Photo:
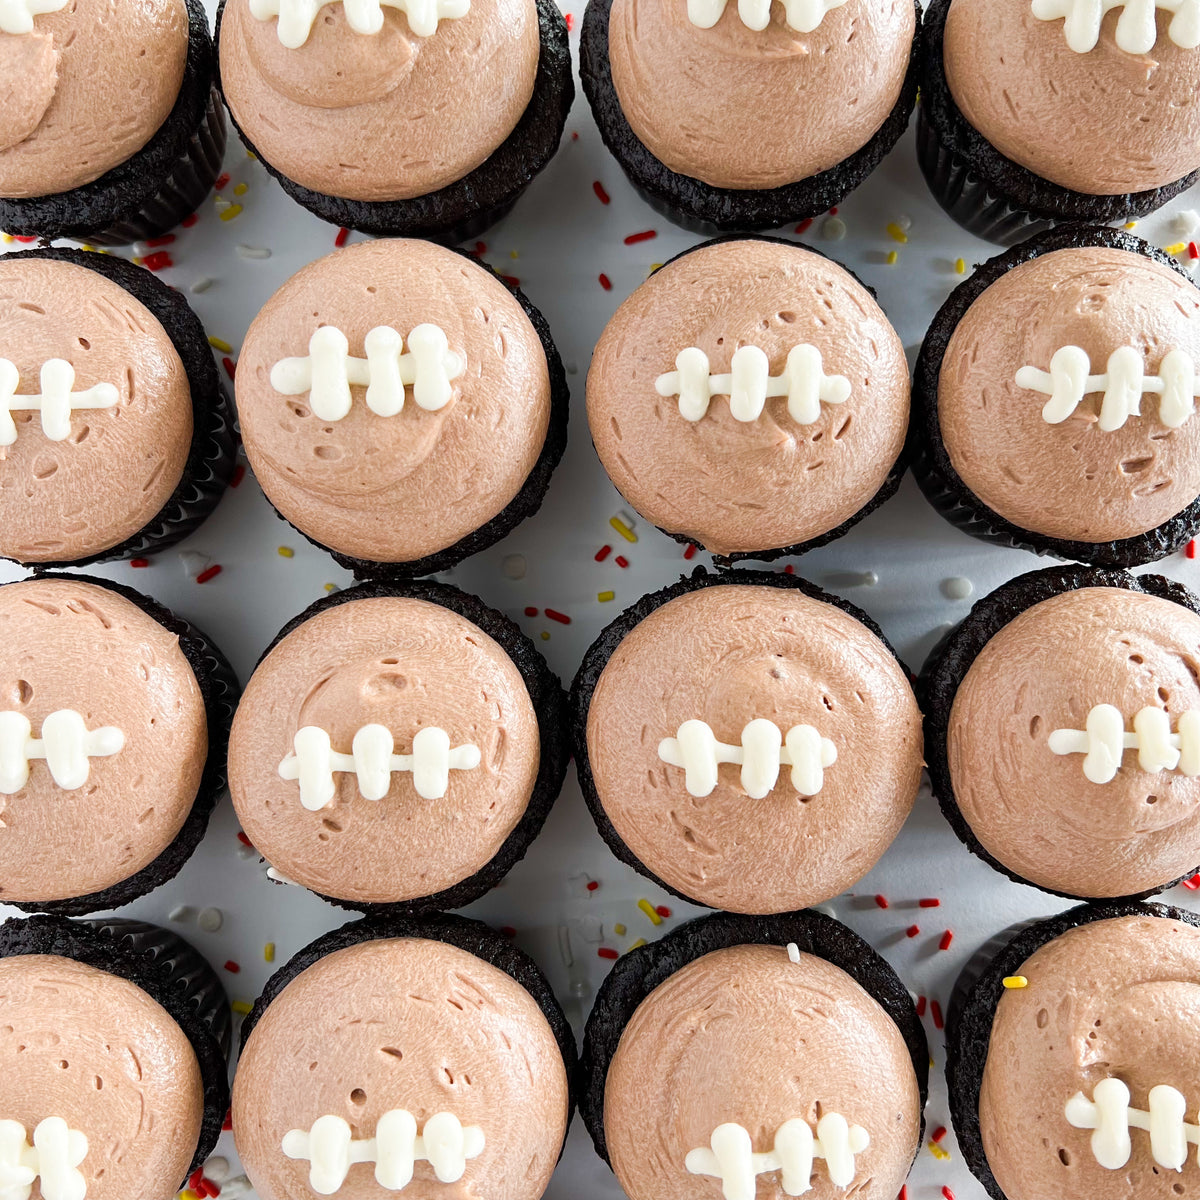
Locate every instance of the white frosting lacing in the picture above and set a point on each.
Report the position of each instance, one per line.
(1104, 742)
(296, 17)
(802, 15)
(445, 1143)
(730, 1157)
(56, 400)
(52, 1160)
(373, 759)
(750, 383)
(763, 750)
(1137, 28)
(1109, 1114)
(1069, 380)
(66, 744)
(328, 370)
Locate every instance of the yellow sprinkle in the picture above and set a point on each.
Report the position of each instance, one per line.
(545, 635)
(893, 258)
(231, 212)
(7, 238)
(648, 909)
(220, 344)
(622, 529)
(1016, 981)
(188, 1194)
(331, 587)
(513, 255)
(269, 952)
(137, 262)
(619, 929)
(87, 246)
(636, 945)
(286, 552)
(1176, 248)
(1130, 224)
(240, 189)
(960, 265)
(251, 156)
(241, 1008)
(605, 597)
(655, 267)
(938, 1153)
(897, 234)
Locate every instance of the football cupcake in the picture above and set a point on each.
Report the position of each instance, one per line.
(749, 115)
(401, 406)
(1063, 726)
(1054, 401)
(397, 745)
(445, 1060)
(752, 398)
(740, 1054)
(746, 741)
(113, 718)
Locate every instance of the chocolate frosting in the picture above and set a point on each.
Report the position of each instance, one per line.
(97, 1051)
(1071, 480)
(1104, 122)
(1119, 998)
(735, 486)
(751, 110)
(1035, 811)
(119, 466)
(727, 655)
(403, 1023)
(404, 664)
(745, 1035)
(394, 489)
(384, 116)
(86, 90)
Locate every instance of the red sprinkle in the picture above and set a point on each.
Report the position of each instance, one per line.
(157, 260)
(343, 235)
(605, 282)
(195, 1179)
(1191, 548)
(530, 611)
(601, 194)
(241, 836)
(607, 952)
(209, 573)
(511, 280)
(481, 247)
(574, 135)
(139, 562)
(570, 19)
(921, 1006)
(222, 180)
(239, 473)
(232, 967)
(26, 238)
(1192, 251)
(881, 901)
(947, 938)
(227, 1124)
(593, 884)
(690, 553)
(662, 910)
(833, 211)
(929, 902)
(912, 931)
(230, 366)
(210, 1189)
(189, 220)
(555, 615)
(162, 240)
(935, 1011)
(939, 1133)
(903, 1193)
(947, 1194)
(1192, 884)
(804, 225)
(603, 553)
(621, 561)
(646, 235)
(508, 931)
(790, 569)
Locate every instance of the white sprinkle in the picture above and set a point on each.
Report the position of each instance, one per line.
(513, 566)
(194, 562)
(181, 913)
(202, 284)
(628, 517)
(904, 221)
(217, 1169)
(793, 952)
(279, 877)
(833, 228)
(851, 579)
(957, 588)
(244, 251)
(210, 919)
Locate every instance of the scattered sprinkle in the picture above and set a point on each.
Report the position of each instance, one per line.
(646, 235)
(230, 367)
(650, 911)
(947, 938)
(605, 597)
(189, 220)
(663, 911)
(217, 1168)
(481, 248)
(244, 251)
(285, 552)
(960, 266)
(555, 615)
(240, 189)
(793, 952)
(232, 967)
(181, 912)
(1192, 884)
(601, 194)
(508, 931)
(939, 1133)
(209, 573)
(232, 211)
(342, 235)
(636, 945)
(545, 635)
(935, 1011)
(227, 1123)
(605, 282)
(620, 929)
(7, 238)
(243, 1010)
(511, 280)
(201, 285)
(621, 561)
(157, 261)
(903, 1192)
(921, 1003)
(222, 181)
(607, 952)
(1191, 549)
(1015, 982)
(330, 588)
(193, 562)
(1130, 224)
(929, 902)
(622, 529)
(912, 931)
(833, 228)
(210, 919)
(947, 1194)
(569, 18)
(896, 233)
(1176, 248)
(593, 884)
(139, 562)
(513, 566)
(603, 553)
(269, 952)
(220, 344)
(689, 552)
(804, 225)
(938, 1152)
(892, 259)
(957, 587)
(164, 239)
(881, 901)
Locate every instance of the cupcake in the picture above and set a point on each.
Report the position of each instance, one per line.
(746, 741)
(111, 127)
(1072, 1056)
(749, 115)
(401, 406)
(445, 1060)
(752, 398)
(1036, 112)
(1053, 403)
(413, 118)
(750, 1056)
(113, 1043)
(114, 714)
(116, 437)
(398, 745)
(1063, 726)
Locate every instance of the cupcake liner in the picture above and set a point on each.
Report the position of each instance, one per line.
(947, 667)
(219, 689)
(637, 973)
(697, 206)
(212, 456)
(549, 703)
(935, 474)
(465, 208)
(164, 966)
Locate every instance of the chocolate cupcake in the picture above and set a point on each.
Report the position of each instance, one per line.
(750, 115)
(413, 118)
(110, 130)
(401, 406)
(1050, 111)
(113, 1042)
(1054, 401)
(116, 436)
(1072, 1056)
(752, 398)
(1063, 727)
(445, 1060)
(114, 714)
(398, 745)
(765, 673)
(727, 1057)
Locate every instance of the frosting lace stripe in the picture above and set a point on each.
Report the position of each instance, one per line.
(1111, 1118)
(56, 400)
(52, 1160)
(296, 17)
(1104, 742)
(804, 16)
(1137, 28)
(66, 745)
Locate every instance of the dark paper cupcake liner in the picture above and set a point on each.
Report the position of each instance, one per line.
(947, 667)
(468, 206)
(219, 689)
(700, 207)
(164, 966)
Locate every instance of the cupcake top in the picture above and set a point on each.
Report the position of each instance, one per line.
(755, 95)
(87, 83)
(823, 402)
(1101, 99)
(1060, 743)
(447, 432)
(747, 1050)
(1065, 399)
(447, 735)
(1107, 1023)
(103, 1081)
(103, 739)
(812, 701)
(382, 99)
(421, 1032)
(95, 410)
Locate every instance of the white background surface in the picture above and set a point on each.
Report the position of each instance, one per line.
(557, 242)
